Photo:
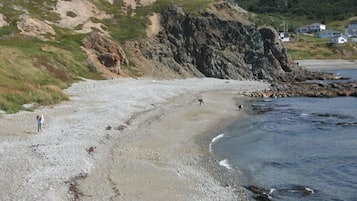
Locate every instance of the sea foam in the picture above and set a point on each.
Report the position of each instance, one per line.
(215, 139)
(225, 163)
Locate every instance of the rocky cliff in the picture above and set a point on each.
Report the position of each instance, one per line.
(217, 43)
(210, 44)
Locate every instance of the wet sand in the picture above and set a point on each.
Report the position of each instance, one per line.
(122, 139)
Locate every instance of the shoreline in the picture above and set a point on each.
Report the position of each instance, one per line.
(120, 139)
(221, 168)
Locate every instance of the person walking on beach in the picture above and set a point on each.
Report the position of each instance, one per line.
(40, 120)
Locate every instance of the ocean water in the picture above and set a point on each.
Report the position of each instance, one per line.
(298, 143)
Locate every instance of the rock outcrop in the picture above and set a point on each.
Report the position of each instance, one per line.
(3, 21)
(208, 44)
(262, 194)
(108, 52)
(314, 89)
(34, 27)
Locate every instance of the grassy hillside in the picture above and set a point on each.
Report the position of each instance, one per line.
(33, 71)
(310, 47)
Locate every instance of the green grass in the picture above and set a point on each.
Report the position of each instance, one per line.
(310, 47)
(23, 82)
(7, 30)
(124, 28)
(187, 5)
(71, 14)
(35, 71)
(41, 9)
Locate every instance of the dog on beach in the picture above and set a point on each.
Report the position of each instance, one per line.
(201, 101)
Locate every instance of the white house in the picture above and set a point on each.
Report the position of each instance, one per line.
(327, 34)
(317, 27)
(284, 37)
(339, 39)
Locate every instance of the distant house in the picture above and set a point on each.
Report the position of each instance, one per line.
(339, 39)
(352, 29)
(284, 37)
(303, 29)
(354, 40)
(327, 34)
(315, 27)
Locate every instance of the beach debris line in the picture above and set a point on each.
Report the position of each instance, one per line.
(121, 127)
(74, 186)
(114, 188)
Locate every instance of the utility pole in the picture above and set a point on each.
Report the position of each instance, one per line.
(284, 26)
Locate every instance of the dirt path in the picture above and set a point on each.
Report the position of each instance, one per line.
(327, 64)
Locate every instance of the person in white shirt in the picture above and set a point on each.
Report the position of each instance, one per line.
(40, 121)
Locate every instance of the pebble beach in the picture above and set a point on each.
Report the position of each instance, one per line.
(121, 139)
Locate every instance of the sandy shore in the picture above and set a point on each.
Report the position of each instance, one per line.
(327, 64)
(120, 139)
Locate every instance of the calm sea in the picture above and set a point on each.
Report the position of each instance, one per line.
(299, 142)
